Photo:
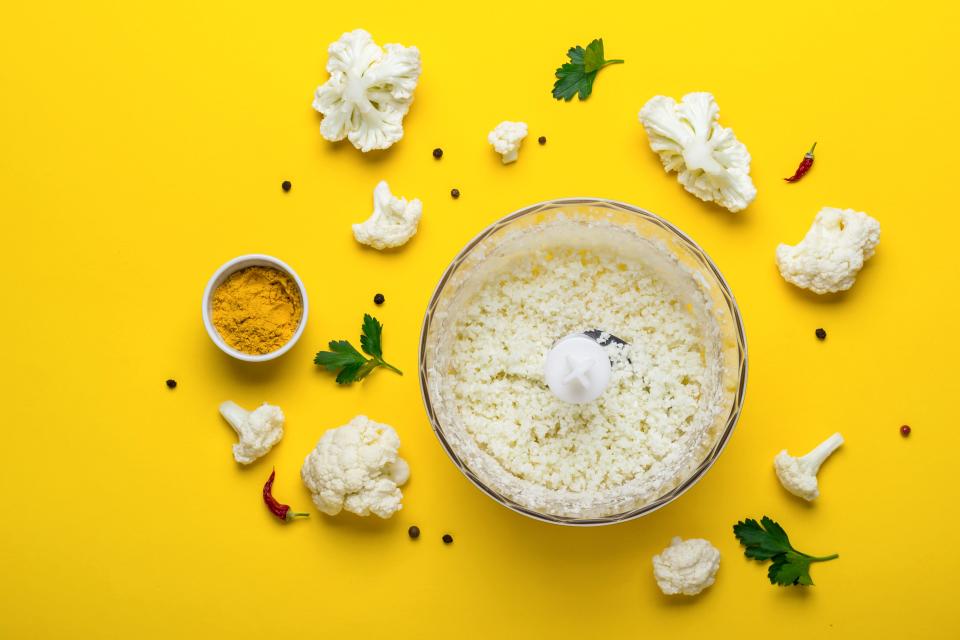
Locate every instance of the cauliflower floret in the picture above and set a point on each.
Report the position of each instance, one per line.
(829, 257)
(356, 467)
(369, 91)
(686, 566)
(393, 221)
(259, 429)
(799, 475)
(506, 139)
(711, 163)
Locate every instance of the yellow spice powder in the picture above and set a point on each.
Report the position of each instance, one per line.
(257, 310)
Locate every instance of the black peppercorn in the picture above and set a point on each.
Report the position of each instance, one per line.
(378, 299)
(447, 538)
(414, 532)
(454, 193)
(285, 185)
(438, 153)
(542, 139)
(821, 334)
(171, 384)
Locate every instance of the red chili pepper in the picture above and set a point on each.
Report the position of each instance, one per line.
(282, 511)
(805, 165)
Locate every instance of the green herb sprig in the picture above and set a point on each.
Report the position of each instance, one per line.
(577, 76)
(766, 540)
(350, 364)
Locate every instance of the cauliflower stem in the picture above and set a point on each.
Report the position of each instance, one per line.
(799, 475)
(815, 458)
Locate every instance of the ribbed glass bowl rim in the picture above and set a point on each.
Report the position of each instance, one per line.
(732, 417)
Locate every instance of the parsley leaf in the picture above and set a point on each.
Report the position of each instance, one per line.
(370, 339)
(766, 540)
(350, 364)
(762, 541)
(790, 569)
(577, 76)
(341, 354)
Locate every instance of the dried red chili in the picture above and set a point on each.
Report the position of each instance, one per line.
(805, 165)
(282, 511)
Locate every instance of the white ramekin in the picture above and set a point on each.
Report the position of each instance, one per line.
(242, 262)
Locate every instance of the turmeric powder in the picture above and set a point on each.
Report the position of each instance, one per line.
(257, 309)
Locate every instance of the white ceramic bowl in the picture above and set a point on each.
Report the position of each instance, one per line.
(242, 262)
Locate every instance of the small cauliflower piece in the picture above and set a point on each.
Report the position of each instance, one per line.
(258, 430)
(369, 91)
(356, 467)
(393, 221)
(686, 566)
(506, 139)
(832, 253)
(709, 160)
(799, 475)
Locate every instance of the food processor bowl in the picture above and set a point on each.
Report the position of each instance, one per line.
(641, 232)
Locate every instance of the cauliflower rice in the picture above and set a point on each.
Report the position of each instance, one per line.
(648, 430)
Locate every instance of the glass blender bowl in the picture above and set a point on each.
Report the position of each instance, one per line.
(642, 235)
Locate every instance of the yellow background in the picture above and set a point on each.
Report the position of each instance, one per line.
(141, 146)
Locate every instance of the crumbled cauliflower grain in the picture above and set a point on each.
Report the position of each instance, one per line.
(636, 441)
(686, 567)
(356, 467)
(832, 253)
(393, 221)
(506, 139)
(369, 91)
(709, 160)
